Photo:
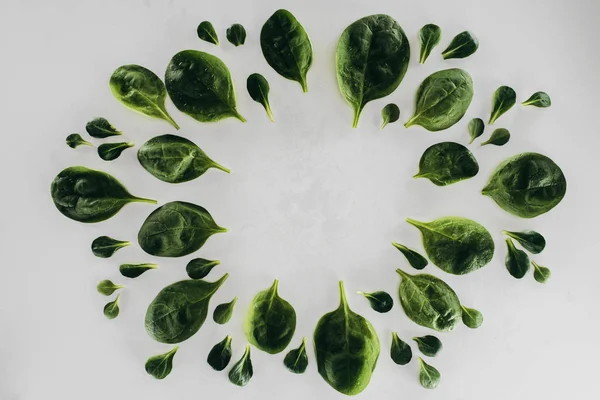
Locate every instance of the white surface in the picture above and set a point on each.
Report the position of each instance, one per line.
(310, 200)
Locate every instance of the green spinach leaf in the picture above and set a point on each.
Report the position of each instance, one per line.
(416, 260)
(258, 89)
(429, 345)
(538, 99)
(380, 301)
(198, 268)
(447, 163)
(476, 128)
(429, 37)
(105, 247)
(400, 351)
(236, 34)
(462, 45)
(111, 309)
(160, 366)
(207, 32)
(100, 128)
(442, 99)
(106, 287)
(504, 98)
(471, 317)
(372, 57)
(540, 274)
(135, 270)
(220, 355)
(390, 114)
(112, 151)
(223, 312)
(429, 377)
(499, 137)
(517, 261)
(532, 241)
(296, 360)
(75, 140)
(242, 371)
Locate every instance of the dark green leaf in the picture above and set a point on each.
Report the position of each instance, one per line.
(429, 377)
(538, 99)
(504, 98)
(447, 163)
(527, 185)
(220, 355)
(416, 260)
(372, 57)
(105, 247)
(241, 372)
(258, 89)
(532, 241)
(296, 360)
(517, 261)
(111, 310)
(462, 45)
(540, 274)
(499, 137)
(160, 366)
(198, 268)
(380, 301)
(206, 32)
(429, 37)
(346, 348)
(135, 270)
(390, 114)
(223, 312)
(75, 140)
(112, 151)
(100, 128)
(180, 309)
(106, 287)
(400, 351)
(471, 317)
(429, 345)
(476, 127)
(236, 34)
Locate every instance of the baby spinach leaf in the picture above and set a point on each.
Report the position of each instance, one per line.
(462, 45)
(135, 270)
(258, 89)
(242, 371)
(105, 247)
(540, 274)
(456, 245)
(87, 195)
(199, 84)
(471, 317)
(177, 229)
(112, 151)
(106, 287)
(380, 301)
(175, 159)
(223, 312)
(198, 268)
(499, 137)
(179, 310)
(160, 366)
(517, 261)
(75, 140)
(429, 377)
(442, 99)
(141, 90)
(428, 301)
(270, 322)
(220, 355)
(429, 37)
(346, 348)
(416, 260)
(538, 99)
(372, 57)
(236, 34)
(429, 345)
(504, 98)
(532, 241)
(447, 163)
(296, 360)
(390, 113)
(100, 128)
(286, 47)
(400, 351)
(207, 32)
(476, 127)
(527, 185)
(111, 310)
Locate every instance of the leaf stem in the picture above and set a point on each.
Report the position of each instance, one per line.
(143, 200)
(410, 122)
(343, 300)
(304, 85)
(414, 222)
(357, 112)
(269, 112)
(238, 116)
(222, 168)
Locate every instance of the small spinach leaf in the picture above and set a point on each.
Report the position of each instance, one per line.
(429, 377)
(416, 260)
(111, 309)
(429, 345)
(135, 270)
(429, 37)
(499, 137)
(538, 99)
(207, 32)
(236, 34)
(220, 355)
(223, 312)
(100, 128)
(504, 98)
(447, 163)
(242, 371)
(106, 287)
(532, 241)
(296, 360)
(112, 151)
(258, 89)
(476, 127)
(160, 366)
(540, 274)
(471, 317)
(105, 247)
(198, 268)
(75, 140)
(517, 261)
(380, 301)
(390, 114)
(462, 45)
(400, 352)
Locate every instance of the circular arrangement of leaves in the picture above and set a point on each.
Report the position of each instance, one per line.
(372, 58)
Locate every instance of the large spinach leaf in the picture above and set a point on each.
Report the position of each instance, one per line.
(446, 163)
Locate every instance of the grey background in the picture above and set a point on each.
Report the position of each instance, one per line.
(310, 200)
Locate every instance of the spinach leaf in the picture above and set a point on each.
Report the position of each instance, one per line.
(286, 47)
(429, 345)
(296, 360)
(180, 309)
(380, 301)
(141, 90)
(242, 371)
(371, 58)
(111, 309)
(390, 113)
(400, 352)
(75, 140)
(416, 260)
(532, 241)
(504, 98)
(112, 151)
(346, 348)
(447, 163)
(223, 312)
(270, 322)
(456, 245)
(540, 274)
(207, 32)
(236, 34)
(198, 268)
(199, 84)
(471, 317)
(462, 45)
(429, 37)
(527, 185)
(105, 247)
(428, 301)
(160, 366)
(476, 127)
(538, 99)
(175, 159)
(135, 270)
(429, 377)
(177, 229)
(442, 99)
(258, 89)
(106, 287)
(100, 128)
(87, 195)
(499, 137)
(220, 355)
(517, 261)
